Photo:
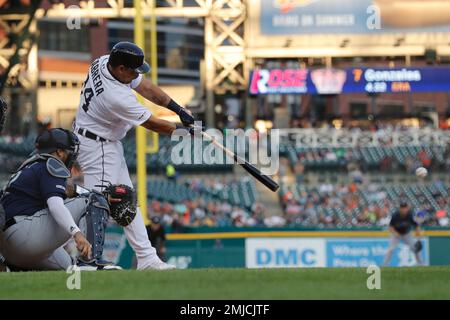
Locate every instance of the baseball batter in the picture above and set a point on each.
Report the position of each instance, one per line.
(108, 109)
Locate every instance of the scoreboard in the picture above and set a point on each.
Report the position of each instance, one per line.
(349, 80)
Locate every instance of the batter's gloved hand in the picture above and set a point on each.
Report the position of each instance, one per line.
(3, 111)
(185, 116)
(122, 203)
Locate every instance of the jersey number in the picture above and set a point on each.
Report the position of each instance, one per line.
(13, 178)
(87, 93)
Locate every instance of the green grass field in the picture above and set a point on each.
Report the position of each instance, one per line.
(396, 283)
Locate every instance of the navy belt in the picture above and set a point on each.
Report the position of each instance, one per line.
(9, 223)
(90, 135)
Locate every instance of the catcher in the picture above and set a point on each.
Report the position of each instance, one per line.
(39, 218)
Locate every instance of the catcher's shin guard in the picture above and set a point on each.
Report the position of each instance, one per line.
(96, 222)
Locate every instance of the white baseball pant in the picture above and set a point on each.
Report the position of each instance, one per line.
(105, 161)
(393, 243)
(36, 242)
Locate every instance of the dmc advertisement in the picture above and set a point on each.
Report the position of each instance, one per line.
(351, 80)
(296, 17)
(285, 253)
(330, 252)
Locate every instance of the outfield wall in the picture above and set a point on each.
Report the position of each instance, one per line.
(281, 249)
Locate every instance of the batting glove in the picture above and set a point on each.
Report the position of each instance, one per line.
(186, 118)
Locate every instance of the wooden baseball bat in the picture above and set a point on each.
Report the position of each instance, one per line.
(254, 171)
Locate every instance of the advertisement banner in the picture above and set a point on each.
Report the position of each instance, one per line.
(370, 251)
(284, 253)
(116, 247)
(330, 252)
(350, 80)
(297, 17)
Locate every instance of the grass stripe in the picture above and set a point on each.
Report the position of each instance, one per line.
(269, 234)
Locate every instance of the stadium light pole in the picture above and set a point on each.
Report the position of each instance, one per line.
(153, 147)
(141, 141)
(153, 43)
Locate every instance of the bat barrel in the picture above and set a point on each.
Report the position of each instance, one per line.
(254, 171)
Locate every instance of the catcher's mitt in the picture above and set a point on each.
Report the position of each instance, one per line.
(124, 211)
(418, 246)
(3, 111)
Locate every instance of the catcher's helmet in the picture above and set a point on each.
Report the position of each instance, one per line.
(129, 55)
(58, 138)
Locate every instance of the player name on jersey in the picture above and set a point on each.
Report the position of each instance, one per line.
(97, 81)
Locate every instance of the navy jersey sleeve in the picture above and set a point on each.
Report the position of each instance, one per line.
(52, 186)
(393, 220)
(413, 221)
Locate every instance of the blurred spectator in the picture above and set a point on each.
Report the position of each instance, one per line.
(176, 225)
(157, 236)
(299, 170)
(355, 173)
(424, 158)
(386, 164)
(345, 206)
(441, 216)
(274, 221)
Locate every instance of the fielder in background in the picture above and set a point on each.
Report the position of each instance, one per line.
(38, 220)
(401, 226)
(108, 109)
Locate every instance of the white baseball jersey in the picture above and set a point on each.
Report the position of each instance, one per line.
(108, 107)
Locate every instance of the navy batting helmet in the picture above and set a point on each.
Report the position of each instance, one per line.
(58, 138)
(129, 55)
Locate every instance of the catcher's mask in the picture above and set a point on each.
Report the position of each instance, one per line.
(53, 139)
